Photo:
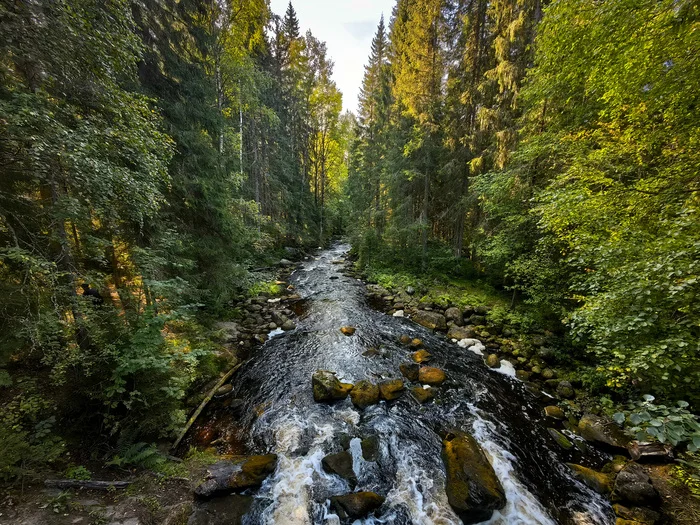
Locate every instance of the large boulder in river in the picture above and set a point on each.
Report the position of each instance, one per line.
(473, 490)
(356, 505)
(341, 465)
(364, 394)
(390, 390)
(327, 388)
(225, 477)
(431, 320)
(597, 429)
(429, 375)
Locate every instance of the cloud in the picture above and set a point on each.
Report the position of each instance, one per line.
(361, 30)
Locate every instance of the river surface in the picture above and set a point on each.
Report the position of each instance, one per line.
(497, 409)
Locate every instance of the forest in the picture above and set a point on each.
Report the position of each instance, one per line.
(161, 161)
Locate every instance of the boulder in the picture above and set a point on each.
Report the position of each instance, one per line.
(410, 371)
(554, 412)
(637, 515)
(598, 481)
(431, 320)
(340, 464)
(364, 394)
(601, 430)
(565, 390)
(327, 388)
(492, 361)
(460, 332)
(423, 395)
(356, 505)
(225, 477)
(348, 330)
(288, 325)
(633, 486)
(370, 448)
(422, 356)
(560, 438)
(390, 390)
(454, 315)
(473, 490)
(431, 376)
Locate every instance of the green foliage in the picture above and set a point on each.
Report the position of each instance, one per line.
(79, 472)
(142, 455)
(666, 424)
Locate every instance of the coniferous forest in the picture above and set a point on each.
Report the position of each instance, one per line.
(165, 165)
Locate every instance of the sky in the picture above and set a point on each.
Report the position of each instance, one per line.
(347, 26)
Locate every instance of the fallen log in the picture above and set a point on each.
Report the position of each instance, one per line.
(87, 485)
(204, 404)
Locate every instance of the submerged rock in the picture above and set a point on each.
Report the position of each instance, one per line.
(364, 394)
(225, 477)
(410, 371)
(327, 388)
(356, 505)
(431, 376)
(431, 320)
(405, 340)
(601, 430)
(423, 395)
(473, 490)
(601, 483)
(390, 390)
(560, 438)
(348, 330)
(341, 465)
(422, 356)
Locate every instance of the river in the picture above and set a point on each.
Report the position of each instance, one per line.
(497, 409)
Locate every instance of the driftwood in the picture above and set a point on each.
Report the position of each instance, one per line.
(204, 404)
(88, 485)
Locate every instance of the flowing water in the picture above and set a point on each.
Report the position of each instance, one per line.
(497, 409)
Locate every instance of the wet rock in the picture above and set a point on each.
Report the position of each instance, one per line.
(633, 486)
(561, 439)
(636, 515)
(221, 511)
(565, 390)
(370, 448)
(410, 290)
(348, 330)
(548, 373)
(523, 375)
(431, 376)
(390, 390)
(459, 333)
(225, 477)
(340, 464)
(416, 343)
(278, 318)
(422, 356)
(344, 440)
(454, 315)
(327, 388)
(410, 371)
(554, 412)
(224, 390)
(430, 320)
(597, 429)
(492, 361)
(423, 395)
(371, 352)
(356, 505)
(288, 325)
(364, 394)
(405, 340)
(473, 490)
(601, 483)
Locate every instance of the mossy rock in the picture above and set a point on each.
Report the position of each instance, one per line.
(410, 371)
(356, 505)
(423, 395)
(364, 394)
(391, 390)
(598, 481)
(431, 376)
(561, 439)
(327, 388)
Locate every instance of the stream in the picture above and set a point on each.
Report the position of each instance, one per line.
(281, 417)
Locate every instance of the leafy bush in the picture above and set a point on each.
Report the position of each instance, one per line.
(666, 424)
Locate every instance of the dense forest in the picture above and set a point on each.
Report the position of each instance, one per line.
(157, 154)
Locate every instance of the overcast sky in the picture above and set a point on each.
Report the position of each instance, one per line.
(347, 26)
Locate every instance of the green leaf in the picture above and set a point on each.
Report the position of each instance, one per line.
(619, 418)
